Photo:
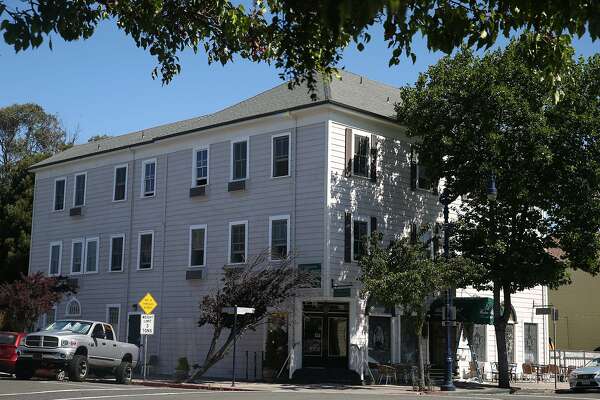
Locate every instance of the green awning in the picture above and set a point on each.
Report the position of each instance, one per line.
(476, 310)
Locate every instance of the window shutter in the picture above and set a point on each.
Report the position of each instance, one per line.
(413, 233)
(373, 168)
(413, 169)
(348, 237)
(373, 224)
(348, 170)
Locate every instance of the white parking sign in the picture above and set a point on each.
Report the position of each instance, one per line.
(147, 324)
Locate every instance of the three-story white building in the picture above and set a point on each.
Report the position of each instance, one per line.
(164, 209)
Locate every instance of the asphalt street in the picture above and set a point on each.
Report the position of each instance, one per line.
(11, 389)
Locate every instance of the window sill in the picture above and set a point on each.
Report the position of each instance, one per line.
(116, 271)
(144, 269)
(120, 201)
(149, 196)
(281, 177)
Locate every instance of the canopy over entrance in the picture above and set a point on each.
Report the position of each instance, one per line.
(475, 310)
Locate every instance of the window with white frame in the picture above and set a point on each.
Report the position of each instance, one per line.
(239, 160)
(113, 317)
(77, 256)
(117, 252)
(73, 308)
(55, 258)
(360, 160)
(91, 255)
(120, 189)
(197, 246)
(279, 238)
(79, 189)
(145, 249)
(148, 178)
(280, 152)
(360, 230)
(60, 186)
(201, 167)
(238, 242)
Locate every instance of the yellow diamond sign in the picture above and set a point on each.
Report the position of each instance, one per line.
(147, 303)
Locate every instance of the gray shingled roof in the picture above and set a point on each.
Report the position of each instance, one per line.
(351, 91)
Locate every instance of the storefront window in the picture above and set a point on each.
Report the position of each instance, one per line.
(479, 342)
(531, 343)
(380, 349)
(510, 343)
(408, 340)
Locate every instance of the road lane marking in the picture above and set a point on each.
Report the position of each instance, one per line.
(73, 390)
(183, 393)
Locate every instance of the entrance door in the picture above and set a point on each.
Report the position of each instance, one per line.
(325, 335)
(133, 329)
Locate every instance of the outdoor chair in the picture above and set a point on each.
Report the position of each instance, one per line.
(494, 371)
(528, 373)
(387, 373)
(512, 372)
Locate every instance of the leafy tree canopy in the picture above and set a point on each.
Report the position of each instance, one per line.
(27, 135)
(407, 274)
(23, 301)
(303, 37)
(479, 118)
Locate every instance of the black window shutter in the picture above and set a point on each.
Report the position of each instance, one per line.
(373, 224)
(373, 158)
(413, 233)
(348, 237)
(348, 168)
(413, 169)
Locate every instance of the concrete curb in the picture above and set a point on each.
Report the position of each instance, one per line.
(195, 386)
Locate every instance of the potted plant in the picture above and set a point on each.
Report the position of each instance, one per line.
(182, 370)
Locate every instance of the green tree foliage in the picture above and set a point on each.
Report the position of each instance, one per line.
(490, 116)
(304, 37)
(97, 138)
(23, 301)
(27, 135)
(405, 273)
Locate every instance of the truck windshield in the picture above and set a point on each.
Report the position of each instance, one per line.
(73, 326)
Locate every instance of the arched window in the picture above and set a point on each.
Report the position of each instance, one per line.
(73, 308)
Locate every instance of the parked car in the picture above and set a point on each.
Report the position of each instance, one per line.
(587, 377)
(9, 341)
(77, 347)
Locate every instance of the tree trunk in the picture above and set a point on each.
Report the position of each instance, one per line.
(501, 318)
(420, 359)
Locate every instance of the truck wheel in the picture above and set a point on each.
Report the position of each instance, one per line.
(24, 370)
(123, 373)
(78, 368)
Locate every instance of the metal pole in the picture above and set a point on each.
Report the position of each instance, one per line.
(145, 355)
(234, 344)
(554, 350)
(448, 384)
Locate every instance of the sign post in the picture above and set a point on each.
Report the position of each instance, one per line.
(236, 311)
(553, 313)
(147, 304)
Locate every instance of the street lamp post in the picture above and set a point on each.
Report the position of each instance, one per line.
(445, 200)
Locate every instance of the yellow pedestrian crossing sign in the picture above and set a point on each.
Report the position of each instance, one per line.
(147, 303)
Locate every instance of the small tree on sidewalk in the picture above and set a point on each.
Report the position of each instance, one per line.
(405, 273)
(24, 300)
(262, 285)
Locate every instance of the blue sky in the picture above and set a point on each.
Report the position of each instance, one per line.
(103, 85)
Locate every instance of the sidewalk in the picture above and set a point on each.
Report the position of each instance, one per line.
(464, 387)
